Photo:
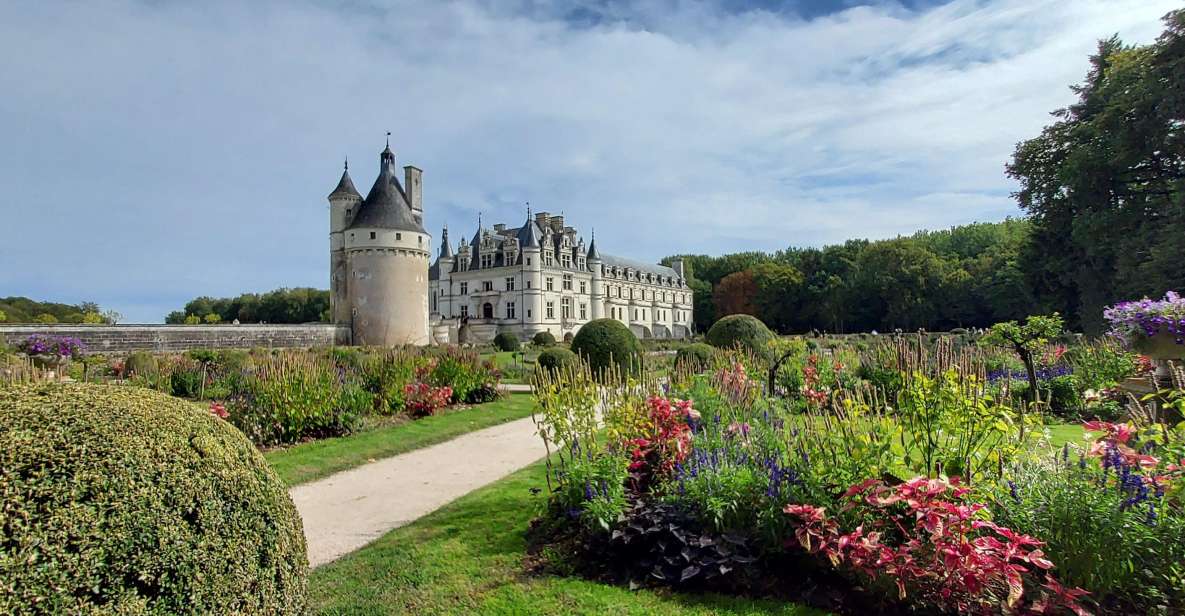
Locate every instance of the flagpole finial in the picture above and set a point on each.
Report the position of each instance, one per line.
(347, 163)
(388, 138)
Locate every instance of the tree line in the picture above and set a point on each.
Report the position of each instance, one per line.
(1104, 190)
(24, 310)
(298, 305)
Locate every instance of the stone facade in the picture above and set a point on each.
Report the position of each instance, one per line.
(126, 338)
(542, 277)
(537, 277)
(378, 258)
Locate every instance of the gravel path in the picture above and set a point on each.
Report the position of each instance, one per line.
(344, 512)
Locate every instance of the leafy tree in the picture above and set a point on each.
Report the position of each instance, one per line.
(45, 317)
(92, 318)
(735, 294)
(193, 319)
(212, 318)
(1105, 183)
(1026, 340)
(3, 316)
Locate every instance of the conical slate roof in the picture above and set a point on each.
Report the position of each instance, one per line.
(345, 187)
(528, 235)
(386, 206)
(592, 249)
(446, 251)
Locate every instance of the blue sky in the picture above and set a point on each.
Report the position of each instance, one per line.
(155, 151)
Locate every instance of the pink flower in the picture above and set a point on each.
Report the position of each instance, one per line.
(218, 410)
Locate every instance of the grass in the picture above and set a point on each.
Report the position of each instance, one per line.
(467, 558)
(316, 459)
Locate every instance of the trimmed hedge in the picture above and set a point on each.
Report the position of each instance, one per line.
(556, 358)
(543, 339)
(696, 357)
(604, 342)
(124, 500)
(743, 329)
(506, 341)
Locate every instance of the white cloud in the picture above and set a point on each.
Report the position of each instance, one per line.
(157, 151)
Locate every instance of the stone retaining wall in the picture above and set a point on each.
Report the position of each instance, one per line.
(125, 338)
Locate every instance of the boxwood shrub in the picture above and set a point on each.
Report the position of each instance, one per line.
(543, 339)
(506, 341)
(604, 342)
(743, 329)
(125, 500)
(556, 358)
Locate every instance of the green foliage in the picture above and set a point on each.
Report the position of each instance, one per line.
(741, 329)
(297, 305)
(593, 489)
(131, 502)
(1026, 340)
(1103, 182)
(291, 397)
(543, 339)
(1096, 541)
(25, 310)
(140, 363)
(608, 342)
(506, 341)
(193, 319)
(556, 358)
(1100, 364)
(695, 357)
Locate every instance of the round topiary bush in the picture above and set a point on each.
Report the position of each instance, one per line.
(746, 330)
(543, 339)
(140, 362)
(556, 358)
(124, 500)
(606, 342)
(695, 357)
(506, 341)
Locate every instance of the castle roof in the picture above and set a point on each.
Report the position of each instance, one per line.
(345, 186)
(528, 235)
(386, 205)
(592, 249)
(446, 250)
(652, 268)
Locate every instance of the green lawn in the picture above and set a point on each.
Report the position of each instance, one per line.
(467, 558)
(316, 459)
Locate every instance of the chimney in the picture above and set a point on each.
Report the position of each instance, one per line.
(677, 265)
(411, 183)
(500, 227)
(541, 219)
(557, 223)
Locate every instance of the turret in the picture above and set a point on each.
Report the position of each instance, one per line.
(529, 241)
(593, 258)
(343, 204)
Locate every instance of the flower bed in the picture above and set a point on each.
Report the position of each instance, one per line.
(938, 499)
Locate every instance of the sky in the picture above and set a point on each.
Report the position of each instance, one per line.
(155, 151)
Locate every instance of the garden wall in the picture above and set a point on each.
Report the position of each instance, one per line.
(123, 338)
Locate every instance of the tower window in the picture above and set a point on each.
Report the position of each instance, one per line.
(582, 286)
(551, 310)
(398, 236)
(550, 284)
(510, 284)
(510, 310)
(372, 235)
(464, 288)
(583, 311)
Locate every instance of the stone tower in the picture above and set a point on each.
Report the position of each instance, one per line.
(343, 203)
(383, 295)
